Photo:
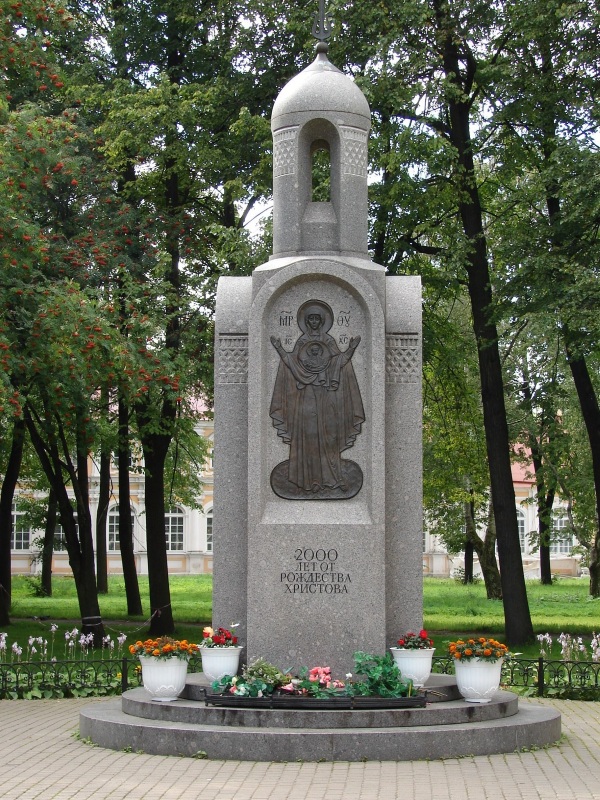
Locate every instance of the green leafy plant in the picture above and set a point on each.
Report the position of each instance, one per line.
(258, 679)
(382, 678)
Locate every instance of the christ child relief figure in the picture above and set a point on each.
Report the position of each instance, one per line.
(317, 409)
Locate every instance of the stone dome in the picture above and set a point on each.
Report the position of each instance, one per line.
(321, 87)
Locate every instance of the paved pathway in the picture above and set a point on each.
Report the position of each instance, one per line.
(42, 758)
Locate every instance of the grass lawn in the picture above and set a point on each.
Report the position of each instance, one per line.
(564, 606)
(191, 598)
(450, 609)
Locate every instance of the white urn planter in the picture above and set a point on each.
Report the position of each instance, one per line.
(220, 661)
(478, 679)
(414, 664)
(164, 678)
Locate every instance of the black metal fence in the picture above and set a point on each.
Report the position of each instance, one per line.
(71, 678)
(544, 677)
(87, 677)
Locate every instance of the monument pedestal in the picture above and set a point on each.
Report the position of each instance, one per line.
(448, 728)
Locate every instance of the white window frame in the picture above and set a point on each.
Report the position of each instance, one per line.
(20, 536)
(560, 545)
(523, 537)
(174, 516)
(60, 539)
(113, 542)
(209, 531)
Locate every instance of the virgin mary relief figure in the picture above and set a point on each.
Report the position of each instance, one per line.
(317, 410)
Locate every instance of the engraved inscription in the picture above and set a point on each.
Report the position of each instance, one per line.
(232, 358)
(402, 358)
(284, 152)
(315, 571)
(354, 158)
(285, 318)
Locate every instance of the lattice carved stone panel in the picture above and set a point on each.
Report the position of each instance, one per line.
(402, 363)
(232, 358)
(354, 158)
(284, 152)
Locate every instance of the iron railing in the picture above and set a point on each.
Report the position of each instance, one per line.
(68, 678)
(544, 676)
(115, 675)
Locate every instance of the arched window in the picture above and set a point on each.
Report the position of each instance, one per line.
(321, 172)
(209, 531)
(21, 532)
(522, 536)
(114, 540)
(174, 528)
(561, 543)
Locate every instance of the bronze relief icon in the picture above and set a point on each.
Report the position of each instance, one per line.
(317, 409)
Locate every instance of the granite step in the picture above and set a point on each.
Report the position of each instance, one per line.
(447, 728)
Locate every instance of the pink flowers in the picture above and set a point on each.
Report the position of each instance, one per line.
(322, 676)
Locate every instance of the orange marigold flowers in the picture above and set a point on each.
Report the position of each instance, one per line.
(163, 647)
(480, 648)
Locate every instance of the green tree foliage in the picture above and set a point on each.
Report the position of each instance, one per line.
(135, 149)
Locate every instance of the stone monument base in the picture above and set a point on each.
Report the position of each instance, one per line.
(448, 728)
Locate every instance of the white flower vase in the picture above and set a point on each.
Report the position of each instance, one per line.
(414, 664)
(164, 678)
(478, 679)
(220, 661)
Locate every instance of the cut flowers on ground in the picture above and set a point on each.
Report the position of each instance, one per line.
(163, 648)
(415, 641)
(482, 648)
(380, 678)
(219, 637)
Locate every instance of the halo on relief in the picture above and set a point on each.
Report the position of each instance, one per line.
(315, 307)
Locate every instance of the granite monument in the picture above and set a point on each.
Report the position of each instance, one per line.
(317, 465)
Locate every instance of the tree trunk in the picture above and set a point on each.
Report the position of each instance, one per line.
(544, 489)
(469, 552)
(101, 517)
(471, 533)
(584, 386)
(91, 619)
(590, 411)
(161, 622)
(545, 527)
(7, 494)
(48, 547)
(78, 530)
(595, 567)
(486, 551)
(132, 589)
(487, 559)
(517, 619)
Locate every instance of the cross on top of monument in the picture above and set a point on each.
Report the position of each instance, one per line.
(323, 24)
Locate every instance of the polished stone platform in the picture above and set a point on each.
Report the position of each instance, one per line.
(447, 727)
